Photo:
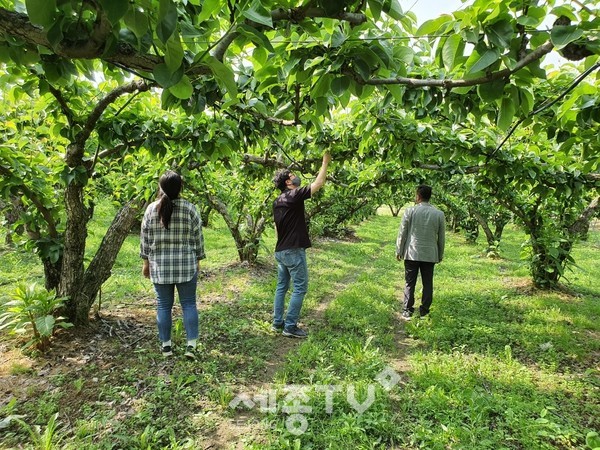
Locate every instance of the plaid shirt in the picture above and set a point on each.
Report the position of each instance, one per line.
(173, 253)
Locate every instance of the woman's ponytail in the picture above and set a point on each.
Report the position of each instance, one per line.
(170, 186)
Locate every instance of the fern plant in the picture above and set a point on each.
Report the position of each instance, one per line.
(32, 310)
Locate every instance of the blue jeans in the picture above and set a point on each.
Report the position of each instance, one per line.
(291, 265)
(165, 296)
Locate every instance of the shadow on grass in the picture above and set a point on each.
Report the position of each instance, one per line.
(542, 329)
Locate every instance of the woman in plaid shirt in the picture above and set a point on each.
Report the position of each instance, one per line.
(171, 246)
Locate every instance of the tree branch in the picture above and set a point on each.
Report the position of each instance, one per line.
(546, 105)
(294, 15)
(583, 221)
(63, 104)
(31, 195)
(447, 83)
(96, 40)
(273, 120)
(75, 152)
(18, 25)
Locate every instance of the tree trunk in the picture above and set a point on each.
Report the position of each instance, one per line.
(248, 243)
(84, 291)
(544, 270)
(101, 265)
(71, 280)
(489, 235)
(52, 272)
(395, 210)
(205, 211)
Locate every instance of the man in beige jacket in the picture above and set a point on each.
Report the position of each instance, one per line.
(420, 244)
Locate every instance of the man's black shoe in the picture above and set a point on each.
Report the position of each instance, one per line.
(277, 328)
(295, 332)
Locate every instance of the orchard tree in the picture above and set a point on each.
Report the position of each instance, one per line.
(287, 63)
(47, 163)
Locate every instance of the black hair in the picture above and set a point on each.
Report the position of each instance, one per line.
(280, 178)
(424, 192)
(170, 187)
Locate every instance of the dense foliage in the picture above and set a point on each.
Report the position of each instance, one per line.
(104, 94)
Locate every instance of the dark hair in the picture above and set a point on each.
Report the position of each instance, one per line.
(424, 192)
(280, 178)
(170, 187)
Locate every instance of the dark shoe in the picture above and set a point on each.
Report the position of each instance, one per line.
(277, 328)
(167, 351)
(295, 332)
(190, 353)
(406, 315)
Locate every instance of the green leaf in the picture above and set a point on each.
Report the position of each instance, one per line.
(592, 439)
(258, 38)
(375, 6)
(433, 26)
(526, 101)
(535, 16)
(363, 69)
(344, 99)
(489, 92)
(137, 22)
(165, 77)
(114, 9)
(562, 35)
(340, 85)
(392, 8)
(257, 13)
(183, 89)
(322, 105)
(500, 33)
(268, 82)
(397, 92)
(488, 58)
(41, 12)
(173, 53)
(209, 7)
(223, 74)
(382, 53)
(284, 109)
(45, 325)
(338, 39)
(167, 23)
(321, 87)
(506, 114)
(452, 49)
(405, 54)
(564, 10)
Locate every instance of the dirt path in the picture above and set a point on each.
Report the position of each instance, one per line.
(230, 433)
(247, 423)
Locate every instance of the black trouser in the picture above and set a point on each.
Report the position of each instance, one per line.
(411, 270)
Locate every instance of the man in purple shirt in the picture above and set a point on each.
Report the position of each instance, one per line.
(290, 250)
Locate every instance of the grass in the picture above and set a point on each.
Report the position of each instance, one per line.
(497, 364)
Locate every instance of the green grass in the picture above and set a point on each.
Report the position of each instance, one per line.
(497, 364)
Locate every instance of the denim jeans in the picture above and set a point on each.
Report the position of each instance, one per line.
(411, 271)
(165, 297)
(291, 265)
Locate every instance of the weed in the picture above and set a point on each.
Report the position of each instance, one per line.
(32, 309)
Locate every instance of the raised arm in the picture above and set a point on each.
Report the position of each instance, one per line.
(321, 177)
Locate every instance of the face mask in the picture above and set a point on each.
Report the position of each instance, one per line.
(296, 181)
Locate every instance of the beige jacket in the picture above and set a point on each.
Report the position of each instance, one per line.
(422, 234)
